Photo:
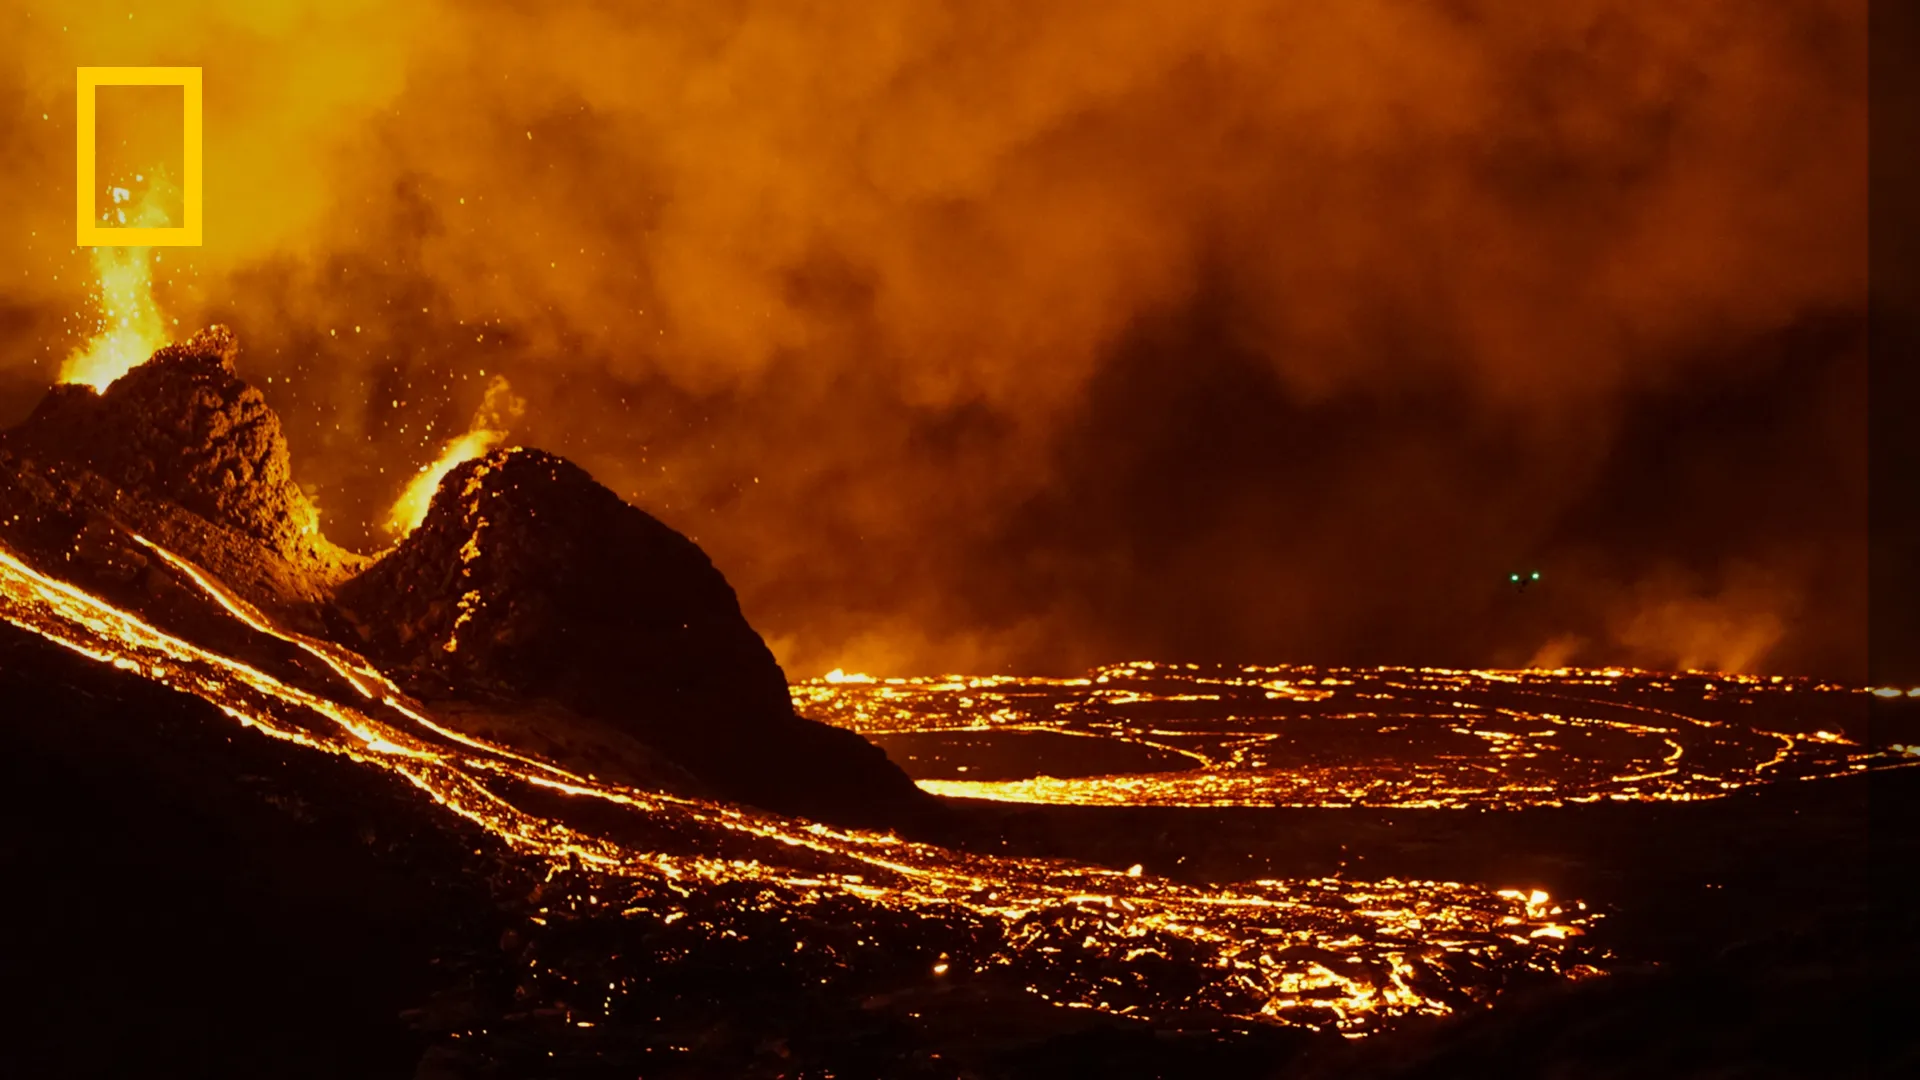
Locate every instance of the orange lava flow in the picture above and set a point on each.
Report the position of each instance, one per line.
(1274, 941)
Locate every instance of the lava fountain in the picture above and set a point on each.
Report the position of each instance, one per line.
(498, 409)
(129, 328)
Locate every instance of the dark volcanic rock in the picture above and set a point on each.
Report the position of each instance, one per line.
(183, 452)
(529, 578)
(189, 898)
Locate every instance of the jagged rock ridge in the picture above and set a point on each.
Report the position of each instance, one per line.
(185, 428)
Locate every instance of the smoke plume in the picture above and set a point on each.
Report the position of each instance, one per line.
(1010, 335)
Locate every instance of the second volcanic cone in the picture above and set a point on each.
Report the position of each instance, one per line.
(529, 578)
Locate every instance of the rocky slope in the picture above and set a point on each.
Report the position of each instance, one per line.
(531, 595)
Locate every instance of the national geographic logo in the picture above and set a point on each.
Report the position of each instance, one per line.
(89, 230)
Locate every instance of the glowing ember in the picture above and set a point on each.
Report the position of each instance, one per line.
(130, 329)
(500, 408)
(1183, 735)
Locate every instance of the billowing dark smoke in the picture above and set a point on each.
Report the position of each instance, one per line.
(984, 335)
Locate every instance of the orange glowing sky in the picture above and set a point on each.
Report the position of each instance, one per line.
(1002, 334)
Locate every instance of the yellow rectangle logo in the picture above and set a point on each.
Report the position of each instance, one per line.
(89, 231)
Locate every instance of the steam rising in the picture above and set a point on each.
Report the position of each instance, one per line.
(1024, 336)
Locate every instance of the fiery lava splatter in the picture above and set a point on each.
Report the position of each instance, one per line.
(498, 409)
(1183, 735)
(1325, 952)
(130, 329)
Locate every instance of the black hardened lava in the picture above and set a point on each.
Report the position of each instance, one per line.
(188, 898)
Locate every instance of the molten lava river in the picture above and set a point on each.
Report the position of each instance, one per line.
(1330, 953)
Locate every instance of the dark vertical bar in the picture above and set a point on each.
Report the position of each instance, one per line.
(1894, 320)
(1893, 629)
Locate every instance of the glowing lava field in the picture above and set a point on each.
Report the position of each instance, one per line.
(1174, 735)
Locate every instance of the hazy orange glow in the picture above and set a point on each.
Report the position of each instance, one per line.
(1001, 337)
(883, 306)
